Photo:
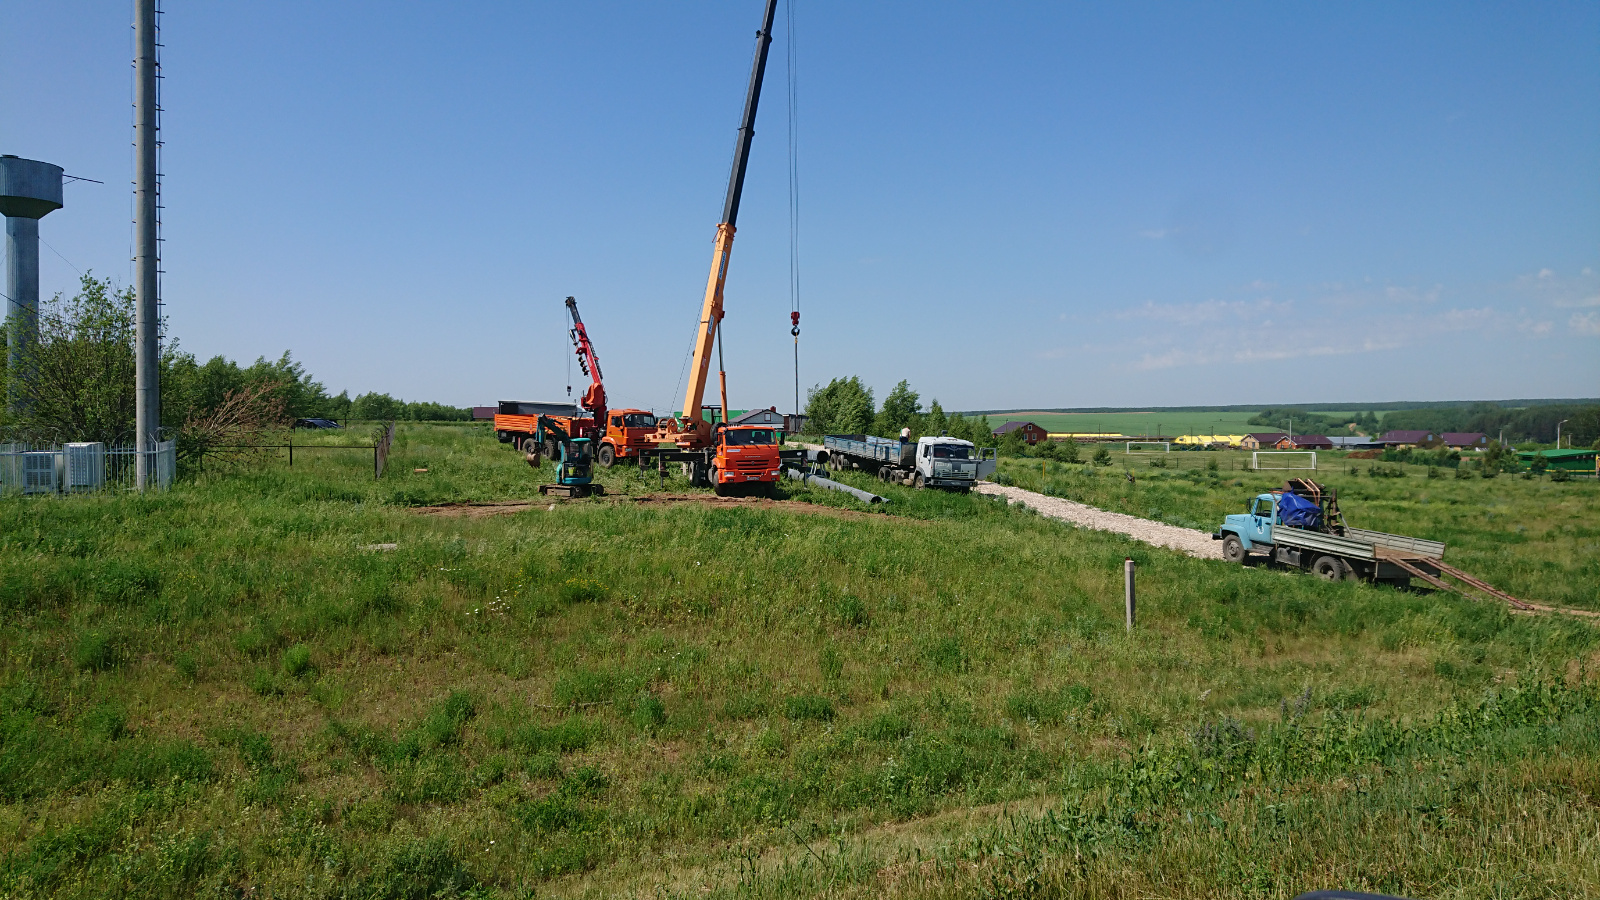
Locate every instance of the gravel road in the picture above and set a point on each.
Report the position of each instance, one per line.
(1195, 543)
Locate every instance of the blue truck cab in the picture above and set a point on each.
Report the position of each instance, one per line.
(1255, 526)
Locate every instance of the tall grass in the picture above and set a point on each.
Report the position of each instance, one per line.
(232, 688)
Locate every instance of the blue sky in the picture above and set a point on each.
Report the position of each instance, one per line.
(1010, 205)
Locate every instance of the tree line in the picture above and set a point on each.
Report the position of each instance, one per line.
(846, 406)
(1536, 424)
(80, 382)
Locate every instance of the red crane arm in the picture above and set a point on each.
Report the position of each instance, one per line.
(594, 396)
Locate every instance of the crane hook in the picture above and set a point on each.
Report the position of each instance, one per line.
(794, 319)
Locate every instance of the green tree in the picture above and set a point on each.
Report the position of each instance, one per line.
(376, 407)
(1011, 444)
(983, 433)
(76, 381)
(845, 406)
(1067, 451)
(901, 409)
(935, 422)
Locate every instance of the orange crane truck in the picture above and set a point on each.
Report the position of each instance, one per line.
(616, 434)
(727, 457)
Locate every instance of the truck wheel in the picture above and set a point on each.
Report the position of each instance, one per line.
(1329, 568)
(549, 450)
(1233, 549)
(606, 456)
(916, 481)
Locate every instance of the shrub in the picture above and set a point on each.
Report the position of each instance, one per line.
(574, 733)
(97, 651)
(648, 712)
(297, 661)
(1102, 456)
(582, 590)
(808, 708)
(419, 869)
(946, 655)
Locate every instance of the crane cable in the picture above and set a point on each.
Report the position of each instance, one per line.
(794, 198)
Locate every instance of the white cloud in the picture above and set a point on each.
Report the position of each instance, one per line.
(1546, 273)
(1210, 310)
(1586, 323)
(1529, 326)
(1413, 295)
(1582, 301)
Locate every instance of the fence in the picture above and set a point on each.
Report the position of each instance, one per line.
(83, 467)
(380, 453)
(381, 441)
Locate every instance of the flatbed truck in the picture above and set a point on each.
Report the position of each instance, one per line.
(935, 462)
(1326, 546)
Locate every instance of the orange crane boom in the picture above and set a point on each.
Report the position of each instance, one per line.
(693, 430)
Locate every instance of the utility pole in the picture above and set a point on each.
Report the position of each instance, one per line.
(1558, 432)
(147, 256)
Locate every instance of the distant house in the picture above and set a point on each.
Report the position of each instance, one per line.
(760, 417)
(1031, 433)
(1311, 442)
(480, 413)
(1353, 442)
(1262, 440)
(1425, 439)
(1465, 440)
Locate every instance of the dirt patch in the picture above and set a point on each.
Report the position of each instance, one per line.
(509, 507)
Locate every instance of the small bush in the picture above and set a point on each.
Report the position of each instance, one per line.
(1102, 456)
(265, 683)
(744, 706)
(850, 611)
(809, 708)
(417, 870)
(567, 736)
(946, 655)
(582, 590)
(648, 712)
(829, 662)
(97, 651)
(107, 722)
(297, 661)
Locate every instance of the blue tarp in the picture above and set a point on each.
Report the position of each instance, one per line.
(1297, 511)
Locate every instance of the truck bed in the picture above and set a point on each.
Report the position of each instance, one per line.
(1358, 543)
(868, 446)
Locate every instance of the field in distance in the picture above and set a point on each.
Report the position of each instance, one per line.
(1168, 423)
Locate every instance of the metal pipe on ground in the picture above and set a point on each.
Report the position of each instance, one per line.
(819, 481)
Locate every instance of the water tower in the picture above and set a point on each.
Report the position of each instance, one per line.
(29, 190)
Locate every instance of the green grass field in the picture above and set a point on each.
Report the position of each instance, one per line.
(233, 689)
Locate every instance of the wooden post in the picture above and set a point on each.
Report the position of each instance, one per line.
(1127, 576)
